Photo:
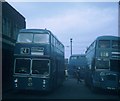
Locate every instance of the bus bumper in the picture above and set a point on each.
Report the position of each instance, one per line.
(31, 83)
(109, 85)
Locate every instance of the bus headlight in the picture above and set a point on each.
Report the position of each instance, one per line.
(44, 82)
(102, 79)
(16, 80)
(16, 85)
(102, 75)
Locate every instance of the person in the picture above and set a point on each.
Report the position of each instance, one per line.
(66, 74)
(78, 75)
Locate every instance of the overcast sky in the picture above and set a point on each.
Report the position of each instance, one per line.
(82, 21)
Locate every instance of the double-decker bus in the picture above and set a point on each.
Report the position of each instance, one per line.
(103, 57)
(77, 61)
(38, 60)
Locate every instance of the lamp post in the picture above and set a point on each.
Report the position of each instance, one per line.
(119, 19)
(71, 45)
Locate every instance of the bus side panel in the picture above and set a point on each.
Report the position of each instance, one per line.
(57, 68)
(91, 67)
(60, 74)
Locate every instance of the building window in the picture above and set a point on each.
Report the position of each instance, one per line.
(4, 24)
(6, 27)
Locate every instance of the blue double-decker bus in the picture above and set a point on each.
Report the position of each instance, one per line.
(77, 61)
(103, 57)
(38, 60)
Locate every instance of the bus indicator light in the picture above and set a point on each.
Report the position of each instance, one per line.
(44, 82)
(30, 84)
(102, 79)
(16, 85)
(43, 86)
(29, 79)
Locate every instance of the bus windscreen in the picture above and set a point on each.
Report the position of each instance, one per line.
(22, 66)
(101, 64)
(25, 38)
(33, 38)
(40, 67)
(41, 38)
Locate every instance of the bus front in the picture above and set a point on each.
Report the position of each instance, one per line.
(107, 62)
(32, 60)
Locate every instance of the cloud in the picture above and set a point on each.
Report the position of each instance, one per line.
(85, 20)
(62, 0)
(82, 22)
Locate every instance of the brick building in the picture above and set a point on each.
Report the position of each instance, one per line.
(11, 21)
(119, 19)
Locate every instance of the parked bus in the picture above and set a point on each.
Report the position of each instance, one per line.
(38, 60)
(77, 61)
(103, 57)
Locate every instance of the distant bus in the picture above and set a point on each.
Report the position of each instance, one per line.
(103, 57)
(38, 60)
(77, 61)
(66, 67)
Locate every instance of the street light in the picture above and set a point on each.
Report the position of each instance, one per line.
(71, 45)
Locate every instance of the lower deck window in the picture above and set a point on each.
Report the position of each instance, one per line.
(115, 65)
(22, 66)
(40, 67)
(101, 64)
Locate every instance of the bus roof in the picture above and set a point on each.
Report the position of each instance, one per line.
(35, 30)
(39, 31)
(108, 38)
(79, 60)
(77, 54)
(81, 55)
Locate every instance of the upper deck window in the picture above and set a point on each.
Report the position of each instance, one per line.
(25, 38)
(74, 57)
(41, 38)
(77, 57)
(104, 44)
(116, 44)
(35, 38)
(40, 67)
